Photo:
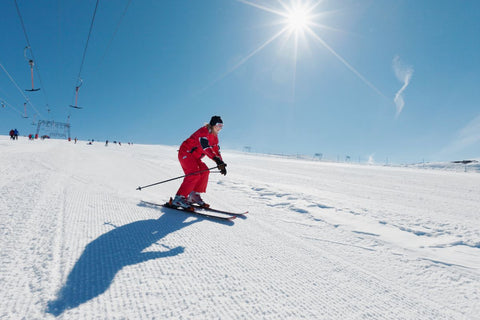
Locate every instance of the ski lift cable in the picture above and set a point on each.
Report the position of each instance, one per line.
(31, 52)
(88, 39)
(23, 25)
(19, 89)
(115, 32)
(79, 79)
(4, 103)
(4, 93)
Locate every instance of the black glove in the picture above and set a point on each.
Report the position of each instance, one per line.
(221, 165)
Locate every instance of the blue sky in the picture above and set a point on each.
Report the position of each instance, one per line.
(376, 79)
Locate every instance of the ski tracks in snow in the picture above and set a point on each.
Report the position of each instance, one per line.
(85, 248)
(32, 216)
(305, 217)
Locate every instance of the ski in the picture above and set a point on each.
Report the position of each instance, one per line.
(194, 212)
(221, 211)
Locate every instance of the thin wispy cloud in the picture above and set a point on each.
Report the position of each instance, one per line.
(465, 137)
(404, 74)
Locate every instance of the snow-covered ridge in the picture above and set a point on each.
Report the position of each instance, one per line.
(322, 240)
(468, 165)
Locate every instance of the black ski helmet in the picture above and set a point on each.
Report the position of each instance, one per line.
(215, 120)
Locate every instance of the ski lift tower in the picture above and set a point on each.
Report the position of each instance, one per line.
(56, 129)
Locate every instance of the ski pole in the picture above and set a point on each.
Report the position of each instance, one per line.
(186, 175)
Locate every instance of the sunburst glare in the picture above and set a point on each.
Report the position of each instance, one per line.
(300, 17)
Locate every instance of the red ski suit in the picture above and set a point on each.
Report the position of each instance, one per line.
(201, 143)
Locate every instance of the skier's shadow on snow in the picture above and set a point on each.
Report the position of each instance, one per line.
(105, 256)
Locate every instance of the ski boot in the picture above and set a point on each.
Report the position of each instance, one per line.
(181, 202)
(194, 198)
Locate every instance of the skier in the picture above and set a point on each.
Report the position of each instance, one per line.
(203, 142)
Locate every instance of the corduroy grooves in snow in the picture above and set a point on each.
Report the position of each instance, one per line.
(321, 240)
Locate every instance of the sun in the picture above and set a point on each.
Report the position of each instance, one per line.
(298, 19)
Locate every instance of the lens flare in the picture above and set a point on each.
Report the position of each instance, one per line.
(298, 19)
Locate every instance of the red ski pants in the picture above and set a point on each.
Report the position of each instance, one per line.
(195, 182)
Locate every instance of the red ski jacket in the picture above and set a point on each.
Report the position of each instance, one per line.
(202, 143)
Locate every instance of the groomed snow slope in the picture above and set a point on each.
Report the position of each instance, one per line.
(320, 241)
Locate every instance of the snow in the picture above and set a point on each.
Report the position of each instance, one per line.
(321, 240)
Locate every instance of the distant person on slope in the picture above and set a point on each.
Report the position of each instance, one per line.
(203, 142)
